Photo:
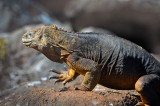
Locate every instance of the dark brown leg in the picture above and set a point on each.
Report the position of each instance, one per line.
(148, 87)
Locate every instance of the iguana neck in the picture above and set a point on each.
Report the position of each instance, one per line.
(53, 54)
(60, 44)
(66, 40)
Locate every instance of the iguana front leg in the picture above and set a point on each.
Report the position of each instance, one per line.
(90, 80)
(87, 67)
(65, 76)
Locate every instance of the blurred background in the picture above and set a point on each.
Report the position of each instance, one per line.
(135, 20)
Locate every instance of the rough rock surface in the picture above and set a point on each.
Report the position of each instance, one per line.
(45, 95)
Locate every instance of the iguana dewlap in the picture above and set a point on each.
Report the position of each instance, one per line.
(103, 59)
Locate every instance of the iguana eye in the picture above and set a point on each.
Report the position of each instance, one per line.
(30, 35)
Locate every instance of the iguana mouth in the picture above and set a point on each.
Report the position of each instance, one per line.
(27, 38)
(27, 42)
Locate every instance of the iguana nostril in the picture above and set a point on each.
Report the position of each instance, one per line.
(25, 35)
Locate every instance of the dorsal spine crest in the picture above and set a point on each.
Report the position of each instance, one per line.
(65, 30)
(54, 26)
(60, 29)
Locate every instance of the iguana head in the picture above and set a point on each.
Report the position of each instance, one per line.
(41, 39)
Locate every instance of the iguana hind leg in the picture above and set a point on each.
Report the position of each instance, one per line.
(148, 86)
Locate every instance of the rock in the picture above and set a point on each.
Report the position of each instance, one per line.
(40, 95)
(157, 56)
(96, 30)
(136, 20)
(55, 8)
(17, 13)
(3, 47)
(4, 73)
(5, 17)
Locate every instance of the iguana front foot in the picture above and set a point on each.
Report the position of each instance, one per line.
(65, 76)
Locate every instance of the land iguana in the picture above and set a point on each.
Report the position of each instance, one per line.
(102, 58)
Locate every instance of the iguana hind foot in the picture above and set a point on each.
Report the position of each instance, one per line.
(148, 86)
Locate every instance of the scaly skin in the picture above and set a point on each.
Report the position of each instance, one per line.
(103, 59)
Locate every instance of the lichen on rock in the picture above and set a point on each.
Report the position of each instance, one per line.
(3, 48)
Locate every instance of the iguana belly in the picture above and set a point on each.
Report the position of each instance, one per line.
(121, 77)
(119, 81)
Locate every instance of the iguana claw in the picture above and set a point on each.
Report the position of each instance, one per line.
(55, 77)
(59, 80)
(55, 71)
(63, 89)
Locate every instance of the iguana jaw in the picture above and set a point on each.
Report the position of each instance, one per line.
(26, 42)
(29, 43)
